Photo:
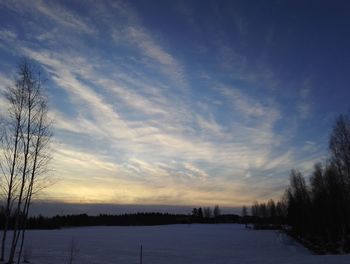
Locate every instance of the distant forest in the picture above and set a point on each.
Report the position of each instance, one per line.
(80, 220)
(317, 210)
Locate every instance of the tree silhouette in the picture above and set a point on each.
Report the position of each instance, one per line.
(319, 212)
(27, 133)
(216, 211)
(339, 145)
(207, 213)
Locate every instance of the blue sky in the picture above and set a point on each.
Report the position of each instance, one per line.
(182, 102)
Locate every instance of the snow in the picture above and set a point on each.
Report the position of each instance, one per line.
(180, 244)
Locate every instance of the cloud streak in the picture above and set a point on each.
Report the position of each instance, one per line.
(131, 127)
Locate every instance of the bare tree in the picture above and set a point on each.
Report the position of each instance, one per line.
(11, 144)
(207, 213)
(40, 158)
(255, 209)
(216, 211)
(299, 202)
(339, 145)
(27, 135)
(271, 209)
(244, 211)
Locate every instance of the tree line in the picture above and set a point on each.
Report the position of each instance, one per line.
(137, 219)
(317, 209)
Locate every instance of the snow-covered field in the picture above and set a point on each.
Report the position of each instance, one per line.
(180, 244)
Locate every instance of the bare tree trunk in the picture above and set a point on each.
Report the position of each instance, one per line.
(16, 102)
(8, 202)
(19, 212)
(41, 133)
(28, 86)
(22, 231)
(23, 224)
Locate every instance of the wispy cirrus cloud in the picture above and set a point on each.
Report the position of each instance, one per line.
(7, 34)
(249, 106)
(150, 49)
(153, 54)
(304, 104)
(124, 135)
(64, 17)
(53, 12)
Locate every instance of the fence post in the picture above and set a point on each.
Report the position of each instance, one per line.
(141, 255)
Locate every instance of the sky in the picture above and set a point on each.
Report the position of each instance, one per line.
(182, 103)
